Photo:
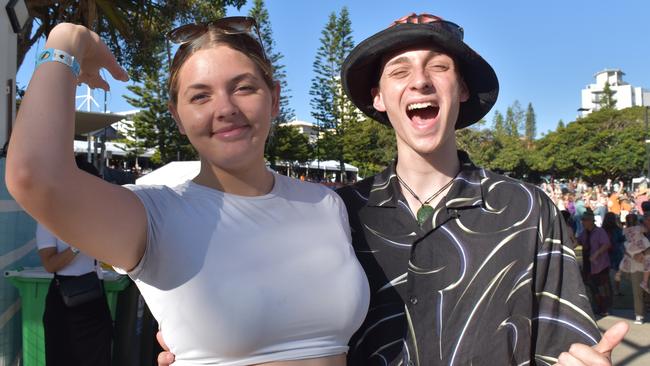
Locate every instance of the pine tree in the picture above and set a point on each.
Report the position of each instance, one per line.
(261, 15)
(607, 100)
(330, 106)
(499, 124)
(560, 125)
(514, 119)
(153, 126)
(531, 123)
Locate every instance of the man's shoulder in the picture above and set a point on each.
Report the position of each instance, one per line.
(357, 193)
(493, 177)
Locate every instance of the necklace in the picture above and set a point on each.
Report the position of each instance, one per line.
(425, 209)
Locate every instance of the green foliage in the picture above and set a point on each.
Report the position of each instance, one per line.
(605, 144)
(606, 100)
(514, 119)
(133, 30)
(530, 124)
(331, 108)
(261, 15)
(153, 126)
(370, 146)
(498, 123)
(292, 146)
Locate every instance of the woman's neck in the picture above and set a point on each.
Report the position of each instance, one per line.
(252, 181)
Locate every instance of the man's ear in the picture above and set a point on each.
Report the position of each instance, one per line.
(377, 100)
(464, 91)
(172, 110)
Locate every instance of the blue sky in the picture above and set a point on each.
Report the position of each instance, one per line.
(544, 52)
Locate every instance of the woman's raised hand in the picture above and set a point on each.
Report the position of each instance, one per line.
(89, 50)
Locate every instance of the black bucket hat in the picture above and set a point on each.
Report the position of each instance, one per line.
(361, 69)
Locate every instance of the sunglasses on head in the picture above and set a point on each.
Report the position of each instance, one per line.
(228, 25)
(425, 18)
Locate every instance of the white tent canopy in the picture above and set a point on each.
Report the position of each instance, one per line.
(171, 174)
(330, 165)
(177, 172)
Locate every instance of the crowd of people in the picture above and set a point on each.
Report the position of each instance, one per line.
(611, 224)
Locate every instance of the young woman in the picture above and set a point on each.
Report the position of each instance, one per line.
(239, 265)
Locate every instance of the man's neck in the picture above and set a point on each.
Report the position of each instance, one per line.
(426, 174)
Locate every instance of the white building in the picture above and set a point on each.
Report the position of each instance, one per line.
(625, 94)
(306, 128)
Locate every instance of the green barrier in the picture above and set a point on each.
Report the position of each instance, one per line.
(32, 285)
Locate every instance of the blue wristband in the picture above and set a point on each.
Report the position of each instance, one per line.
(51, 54)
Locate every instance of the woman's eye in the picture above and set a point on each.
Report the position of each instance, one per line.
(245, 88)
(198, 97)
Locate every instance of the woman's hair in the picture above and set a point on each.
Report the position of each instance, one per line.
(214, 37)
(609, 222)
(631, 220)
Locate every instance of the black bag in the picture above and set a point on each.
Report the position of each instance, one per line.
(77, 290)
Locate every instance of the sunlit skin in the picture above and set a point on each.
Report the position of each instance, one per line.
(425, 136)
(225, 112)
(416, 76)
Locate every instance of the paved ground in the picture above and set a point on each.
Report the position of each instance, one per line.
(635, 348)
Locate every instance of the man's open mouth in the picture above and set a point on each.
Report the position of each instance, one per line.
(422, 112)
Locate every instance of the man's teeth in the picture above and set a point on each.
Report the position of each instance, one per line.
(419, 106)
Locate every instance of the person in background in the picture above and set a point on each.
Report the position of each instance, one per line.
(635, 263)
(79, 335)
(595, 263)
(616, 239)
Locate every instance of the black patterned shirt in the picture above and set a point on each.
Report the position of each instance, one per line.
(490, 279)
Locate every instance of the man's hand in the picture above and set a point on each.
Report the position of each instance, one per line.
(164, 358)
(598, 355)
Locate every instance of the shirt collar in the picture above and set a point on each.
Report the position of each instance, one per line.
(466, 191)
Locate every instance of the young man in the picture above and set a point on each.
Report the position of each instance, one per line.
(465, 266)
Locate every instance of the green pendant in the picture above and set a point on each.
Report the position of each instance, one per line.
(424, 213)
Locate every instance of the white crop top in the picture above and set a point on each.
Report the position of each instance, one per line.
(236, 280)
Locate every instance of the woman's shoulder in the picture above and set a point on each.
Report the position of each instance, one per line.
(295, 189)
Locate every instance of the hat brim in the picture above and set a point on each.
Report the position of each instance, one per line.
(361, 69)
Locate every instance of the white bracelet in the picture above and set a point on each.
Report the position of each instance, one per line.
(74, 250)
(52, 54)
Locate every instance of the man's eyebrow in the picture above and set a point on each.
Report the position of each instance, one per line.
(399, 60)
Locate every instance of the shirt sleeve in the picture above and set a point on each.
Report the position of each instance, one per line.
(44, 238)
(562, 313)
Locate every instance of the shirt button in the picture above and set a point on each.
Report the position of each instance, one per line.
(413, 300)
(410, 363)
